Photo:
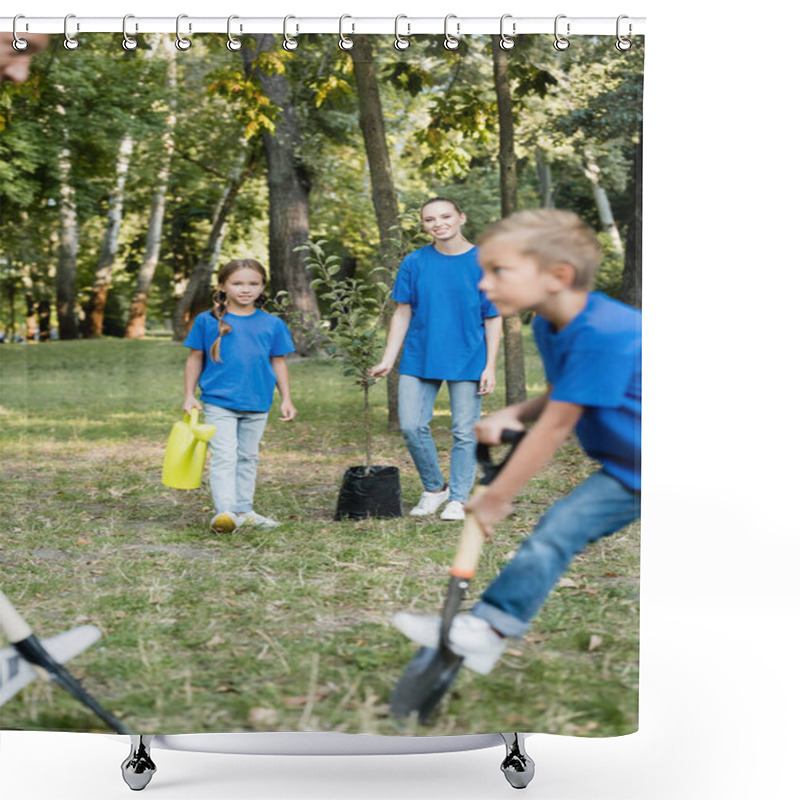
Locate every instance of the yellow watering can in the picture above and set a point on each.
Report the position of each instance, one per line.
(186, 453)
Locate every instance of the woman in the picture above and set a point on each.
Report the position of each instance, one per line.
(448, 331)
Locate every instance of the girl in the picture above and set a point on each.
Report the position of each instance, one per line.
(451, 333)
(238, 356)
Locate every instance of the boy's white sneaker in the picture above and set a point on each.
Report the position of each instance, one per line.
(429, 502)
(225, 522)
(250, 518)
(470, 637)
(454, 510)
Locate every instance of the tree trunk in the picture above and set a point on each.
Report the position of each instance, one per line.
(545, 176)
(96, 309)
(513, 351)
(384, 196)
(604, 211)
(67, 243)
(288, 184)
(196, 297)
(631, 289)
(137, 313)
(43, 314)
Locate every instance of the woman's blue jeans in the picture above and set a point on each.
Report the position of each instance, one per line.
(416, 397)
(234, 456)
(600, 506)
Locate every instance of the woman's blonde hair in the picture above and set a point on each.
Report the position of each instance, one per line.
(553, 236)
(221, 301)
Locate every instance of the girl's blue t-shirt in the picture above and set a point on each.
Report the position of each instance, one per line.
(596, 362)
(446, 339)
(245, 380)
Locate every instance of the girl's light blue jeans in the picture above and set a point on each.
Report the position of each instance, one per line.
(416, 397)
(234, 456)
(598, 507)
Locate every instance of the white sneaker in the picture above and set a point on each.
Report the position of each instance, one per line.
(250, 518)
(225, 522)
(470, 637)
(429, 502)
(454, 510)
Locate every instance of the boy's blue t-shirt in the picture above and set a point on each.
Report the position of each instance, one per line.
(245, 380)
(446, 339)
(596, 362)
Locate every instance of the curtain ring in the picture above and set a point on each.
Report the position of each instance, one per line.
(70, 42)
(450, 42)
(400, 42)
(560, 43)
(623, 43)
(181, 42)
(18, 43)
(233, 44)
(289, 43)
(345, 42)
(128, 42)
(507, 42)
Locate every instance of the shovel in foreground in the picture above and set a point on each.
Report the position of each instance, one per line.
(432, 671)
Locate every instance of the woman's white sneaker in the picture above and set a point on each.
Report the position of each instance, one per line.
(454, 511)
(429, 503)
(470, 637)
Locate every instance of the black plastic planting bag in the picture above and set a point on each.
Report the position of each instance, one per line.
(369, 492)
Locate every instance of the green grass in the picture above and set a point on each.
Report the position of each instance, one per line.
(282, 630)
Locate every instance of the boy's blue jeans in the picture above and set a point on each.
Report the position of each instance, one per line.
(415, 398)
(234, 456)
(600, 506)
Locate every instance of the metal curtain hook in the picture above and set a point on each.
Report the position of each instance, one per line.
(400, 42)
(70, 42)
(345, 42)
(507, 42)
(181, 42)
(289, 43)
(560, 43)
(128, 42)
(233, 44)
(623, 43)
(450, 42)
(18, 43)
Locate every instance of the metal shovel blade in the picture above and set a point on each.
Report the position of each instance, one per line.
(425, 682)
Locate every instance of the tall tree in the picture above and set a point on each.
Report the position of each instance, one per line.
(137, 312)
(384, 195)
(96, 308)
(66, 267)
(195, 298)
(516, 390)
(289, 186)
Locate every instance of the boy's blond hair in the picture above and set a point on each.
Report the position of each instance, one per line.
(553, 237)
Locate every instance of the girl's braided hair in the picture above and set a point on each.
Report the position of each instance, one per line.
(221, 301)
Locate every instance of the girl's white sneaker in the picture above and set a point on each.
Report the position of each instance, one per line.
(250, 518)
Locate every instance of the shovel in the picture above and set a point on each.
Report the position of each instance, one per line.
(431, 672)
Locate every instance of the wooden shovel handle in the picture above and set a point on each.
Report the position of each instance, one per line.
(11, 623)
(470, 546)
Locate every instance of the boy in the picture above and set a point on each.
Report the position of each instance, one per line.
(545, 261)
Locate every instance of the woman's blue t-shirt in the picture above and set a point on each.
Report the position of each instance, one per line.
(446, 339)
(596, 362)
(245, 380)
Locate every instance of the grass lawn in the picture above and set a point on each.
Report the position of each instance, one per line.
(285, 630)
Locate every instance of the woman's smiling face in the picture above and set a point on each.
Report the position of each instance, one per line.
(442, 220)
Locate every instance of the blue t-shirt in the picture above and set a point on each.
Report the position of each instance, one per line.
(245, 380)
(596, 362)
(446, 339)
